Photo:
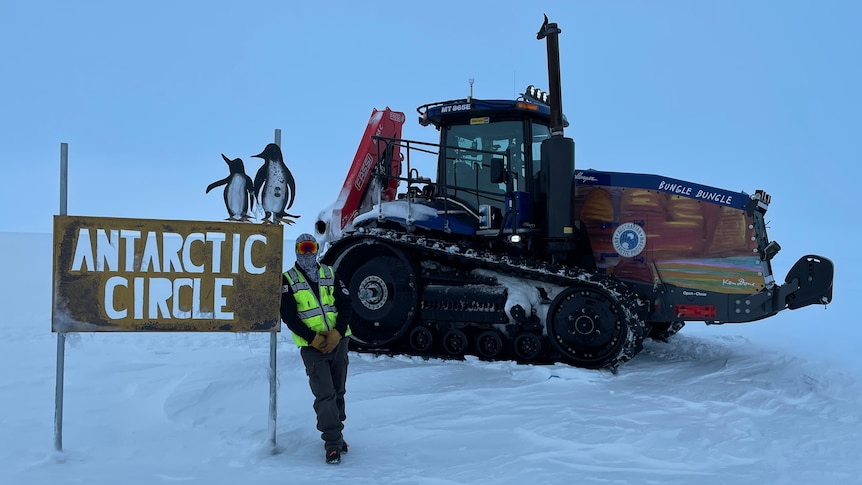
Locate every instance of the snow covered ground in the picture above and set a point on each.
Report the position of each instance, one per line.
(766, 402)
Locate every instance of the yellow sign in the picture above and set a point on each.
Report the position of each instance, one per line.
(136, 275)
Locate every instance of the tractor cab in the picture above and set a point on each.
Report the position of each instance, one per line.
(489, 158)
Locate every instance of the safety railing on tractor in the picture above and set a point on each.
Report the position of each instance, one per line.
(419, 187)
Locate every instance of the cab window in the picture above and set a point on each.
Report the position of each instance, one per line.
(468, 160)
(539, 133)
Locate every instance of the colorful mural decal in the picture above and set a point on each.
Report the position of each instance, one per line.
(661, 231)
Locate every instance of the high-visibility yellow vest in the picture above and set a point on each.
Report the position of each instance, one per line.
(317, 312)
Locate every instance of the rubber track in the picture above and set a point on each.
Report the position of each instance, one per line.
(522, 268)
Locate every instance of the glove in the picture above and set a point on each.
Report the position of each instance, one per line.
(332, 339)
(319, 342)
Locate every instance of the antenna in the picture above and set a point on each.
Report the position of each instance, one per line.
(470, 98)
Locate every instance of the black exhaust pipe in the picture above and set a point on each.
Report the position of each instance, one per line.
(552, 33)
(558, 161)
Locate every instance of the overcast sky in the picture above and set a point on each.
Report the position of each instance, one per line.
(736, 94)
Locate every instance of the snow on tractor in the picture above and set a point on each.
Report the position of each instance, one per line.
(513, 253)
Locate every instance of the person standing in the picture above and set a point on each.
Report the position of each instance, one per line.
(316, 307)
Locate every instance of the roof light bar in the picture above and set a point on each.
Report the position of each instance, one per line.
(535, 94)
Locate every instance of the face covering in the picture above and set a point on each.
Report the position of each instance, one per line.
(307, 260)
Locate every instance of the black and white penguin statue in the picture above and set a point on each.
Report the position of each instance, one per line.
(238, 190)
(274, 186)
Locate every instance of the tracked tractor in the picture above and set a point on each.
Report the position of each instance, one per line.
(511, 252)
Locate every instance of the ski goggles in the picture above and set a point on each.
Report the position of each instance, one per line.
(306, 247)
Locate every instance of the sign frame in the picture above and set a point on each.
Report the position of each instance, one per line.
(118, 274)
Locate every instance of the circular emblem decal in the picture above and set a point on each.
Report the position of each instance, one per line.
(629, 240)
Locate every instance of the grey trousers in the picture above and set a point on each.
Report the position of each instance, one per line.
(327, 376)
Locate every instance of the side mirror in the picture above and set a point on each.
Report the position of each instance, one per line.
(498, 170)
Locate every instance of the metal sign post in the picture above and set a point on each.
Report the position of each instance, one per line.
(61, 336)
(273, 350)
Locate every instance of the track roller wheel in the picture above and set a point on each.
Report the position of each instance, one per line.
(384, 299)
(489, 344)
(455, 342)
(421, 339)
(528, 346)
(590, 329)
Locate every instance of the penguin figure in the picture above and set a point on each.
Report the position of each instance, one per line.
(238, 191)
(274, 186)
